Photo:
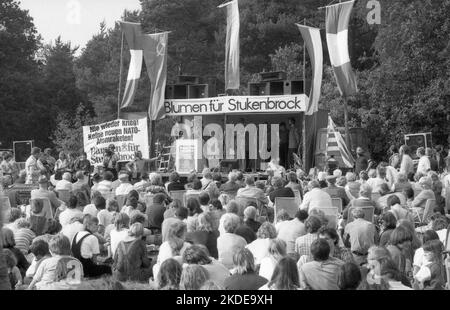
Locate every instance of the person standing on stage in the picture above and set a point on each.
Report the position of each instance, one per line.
(212, 151)
(284, 143)
(83, 164)
(111, 161)
(293, 142)
(33, 167)
(139, 165)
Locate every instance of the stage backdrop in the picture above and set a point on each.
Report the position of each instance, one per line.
(128, 136)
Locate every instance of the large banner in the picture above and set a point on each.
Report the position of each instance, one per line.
(128, 136)
(236, 104)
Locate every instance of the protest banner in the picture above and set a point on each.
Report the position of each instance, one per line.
(236, 104)
(128, 136)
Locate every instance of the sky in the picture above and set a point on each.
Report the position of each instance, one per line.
(75, 20)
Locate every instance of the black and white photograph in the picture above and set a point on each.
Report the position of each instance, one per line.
(224, 146)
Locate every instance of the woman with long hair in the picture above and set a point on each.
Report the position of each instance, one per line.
(173, 247)
(277, 250)
(193, 277)
(205, 234)
(284, 277)
(169, 275)
(431, 275)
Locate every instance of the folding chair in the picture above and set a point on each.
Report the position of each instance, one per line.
(331, 214)
(289, 204)
(178, 195)
(368, 214)
(337, 203)
(64, 195)
(5, 205)
(297, 196)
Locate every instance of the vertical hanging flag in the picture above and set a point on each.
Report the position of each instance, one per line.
(311, 36)
(155, 55)
(336, 145)
(232, 80)
(133, 35)
(337, 20)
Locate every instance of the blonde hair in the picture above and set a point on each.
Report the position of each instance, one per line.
(136, 230)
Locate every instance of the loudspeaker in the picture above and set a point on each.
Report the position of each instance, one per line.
(198, 91)
(180, 91)
(169, 94)
(257, 89)
(188, 79)
(272, 76)
(414, 141)
(22, 150)
(276, 88)
(296, 87)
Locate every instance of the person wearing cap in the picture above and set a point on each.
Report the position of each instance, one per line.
(315, 197)
(335, 191)
(418, 204)
(125, 186)
(43, 192)
(33, 167)
(65, 183)
(361, 234)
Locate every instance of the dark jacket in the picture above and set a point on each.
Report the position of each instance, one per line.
(206, 238)
(281, 192)
(131, 261)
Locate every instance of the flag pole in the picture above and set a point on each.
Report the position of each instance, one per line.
(120, 77)
(304, 91)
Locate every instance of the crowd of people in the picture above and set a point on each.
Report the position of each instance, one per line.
(122, 228)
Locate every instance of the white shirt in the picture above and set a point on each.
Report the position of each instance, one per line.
(419, 259)
(89, 246)
(424, 165)
(289, 231)
(71, 230)
(139, 186)
(316, 198)
(91, 210)
(375, 183)
(105, 217)
(104, 186)
(67, 215)
(123, 189)
(116, 237)
(63, 185)
(267, 267)
(259, 249)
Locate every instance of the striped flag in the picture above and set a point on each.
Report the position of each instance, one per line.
(336, 145)
(313, 43)
(133, 35)
(337, 20)
(232, 79)
(155, 55)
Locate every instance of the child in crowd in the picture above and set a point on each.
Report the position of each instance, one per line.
(61, 266)
(431, 275)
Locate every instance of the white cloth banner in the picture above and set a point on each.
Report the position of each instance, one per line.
(236, 104)
(128, 136)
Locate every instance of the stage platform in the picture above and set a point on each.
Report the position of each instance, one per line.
(256, 175)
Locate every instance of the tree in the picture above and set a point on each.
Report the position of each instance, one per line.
(68, 135)
(21, 93)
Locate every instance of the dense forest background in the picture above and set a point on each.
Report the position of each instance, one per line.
(403, 66)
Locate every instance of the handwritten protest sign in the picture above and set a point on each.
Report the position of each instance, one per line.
(128, 136)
